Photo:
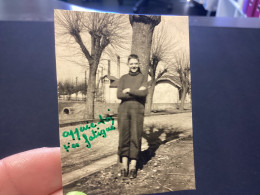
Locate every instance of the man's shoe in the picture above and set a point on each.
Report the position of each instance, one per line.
(132, 174)
(123, 173)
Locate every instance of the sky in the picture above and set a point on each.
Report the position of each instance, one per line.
(70, 62)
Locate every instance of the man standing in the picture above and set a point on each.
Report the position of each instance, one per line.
(132, 90)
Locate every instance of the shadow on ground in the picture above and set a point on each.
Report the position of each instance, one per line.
(156, 135)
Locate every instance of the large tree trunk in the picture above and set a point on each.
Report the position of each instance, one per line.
(141, 44)
(143, 27)
(149, 98)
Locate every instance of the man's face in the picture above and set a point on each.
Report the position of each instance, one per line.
(133, 65)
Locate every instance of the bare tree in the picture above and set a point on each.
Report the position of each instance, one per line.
(163, 47)
(66, 88)
(103, 29)
(143, 27)
(181, 65)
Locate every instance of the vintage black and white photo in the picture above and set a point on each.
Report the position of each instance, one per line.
(124, 95)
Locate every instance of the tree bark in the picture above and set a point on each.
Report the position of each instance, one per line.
(141, 44)
(143, 27)
(149, 98)
(89, 107)
(183, 97)
(96, 51)
(184, 91)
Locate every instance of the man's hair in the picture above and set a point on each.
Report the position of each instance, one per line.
(132, 56)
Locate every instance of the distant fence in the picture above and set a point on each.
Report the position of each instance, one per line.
(78, 98)
(113, 107)
(72, 98)
(169, 106)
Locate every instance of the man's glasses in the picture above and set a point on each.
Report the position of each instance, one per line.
(134, 64)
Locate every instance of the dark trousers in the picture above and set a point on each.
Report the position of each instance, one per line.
(130, 124)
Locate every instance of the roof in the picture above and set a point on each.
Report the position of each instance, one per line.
(174, 79)
(111, 78)
(114, 84)
(113, 81)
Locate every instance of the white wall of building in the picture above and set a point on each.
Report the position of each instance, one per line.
(110, 94)
(165, 93)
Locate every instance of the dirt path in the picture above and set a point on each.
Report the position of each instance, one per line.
(171, 169)
(158, 130)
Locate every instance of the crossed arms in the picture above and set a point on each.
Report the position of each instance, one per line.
(128, 93)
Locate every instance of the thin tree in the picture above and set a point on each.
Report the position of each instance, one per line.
(103, 29)
(181, 65)
(68, 88)
(163, 47)
(60, 88)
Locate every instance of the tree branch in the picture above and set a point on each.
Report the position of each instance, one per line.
(82, 46)
(161, 74)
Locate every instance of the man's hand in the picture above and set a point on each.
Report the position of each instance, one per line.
(127, 90)
(142, 88)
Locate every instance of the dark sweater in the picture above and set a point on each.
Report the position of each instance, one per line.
(134, 82)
